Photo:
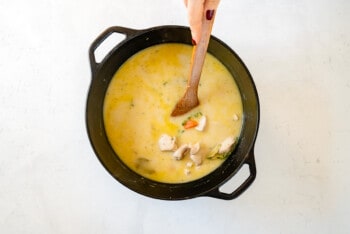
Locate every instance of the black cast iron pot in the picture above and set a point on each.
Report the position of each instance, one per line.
(102, 73)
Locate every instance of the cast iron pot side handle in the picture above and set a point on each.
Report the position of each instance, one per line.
(128, 32)
(229, 196)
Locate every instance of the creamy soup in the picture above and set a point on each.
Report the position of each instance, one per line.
(137, 108)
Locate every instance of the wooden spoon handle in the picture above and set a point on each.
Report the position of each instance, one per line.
(190, 98)
(199, 52)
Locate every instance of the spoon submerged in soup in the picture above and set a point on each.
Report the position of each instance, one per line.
(190, 98)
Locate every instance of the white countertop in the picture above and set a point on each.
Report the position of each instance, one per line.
(298, 53)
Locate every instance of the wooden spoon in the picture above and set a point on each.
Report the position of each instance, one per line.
(190, 98)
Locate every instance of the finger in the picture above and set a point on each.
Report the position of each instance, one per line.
(185, 1)
(195, 15)
(211, 4)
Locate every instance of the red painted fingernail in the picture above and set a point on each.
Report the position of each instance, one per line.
(194, 42)
(209, 14)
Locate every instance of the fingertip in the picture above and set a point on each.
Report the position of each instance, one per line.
(209, 14)
(194, 42)
(195, 37)
(195, 15)
(185, 2)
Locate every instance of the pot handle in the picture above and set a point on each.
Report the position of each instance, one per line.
(216, 193)
(128, 32)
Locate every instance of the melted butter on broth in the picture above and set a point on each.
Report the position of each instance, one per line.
(139, 101)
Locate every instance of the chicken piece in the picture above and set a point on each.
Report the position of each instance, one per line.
(194, 156)
(197, 159)
(194, 148)
(167, 143)
(201, 123)
(226, 145)
(180, 152)
(189, 164)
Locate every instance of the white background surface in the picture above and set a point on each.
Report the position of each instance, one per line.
(298, 53)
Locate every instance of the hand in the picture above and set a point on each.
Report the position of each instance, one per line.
(196, 10)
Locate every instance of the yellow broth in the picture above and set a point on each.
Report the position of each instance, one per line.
(140, 98)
